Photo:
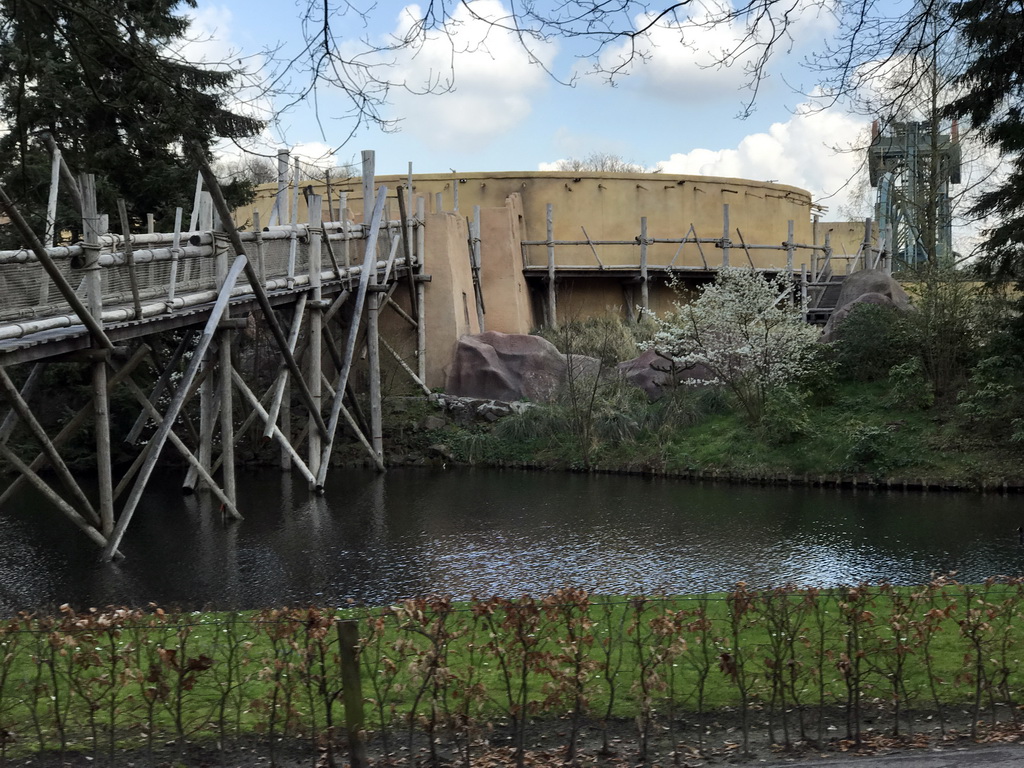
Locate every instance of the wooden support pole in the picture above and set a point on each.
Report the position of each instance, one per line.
(65, 172)
(405, 367)
(373, 364)
(51, 205)
(407, 249)
(175, 254)
(27, 390)
(315, 356)
(275, 432)
(421, 307)
(40, 485)
(257, 287)
(645, 297)
(474, 263)
(225, 339)
(790, 247)
(281, 383)
(869, 255)
(160, 386)
(21, 408)
(129, 257)
(101, 403)
(75, 423)
(179, 445)
(552, 319)
(160, 437)
(209, 408)
(352, 692)
(368, 268)
(725, 235)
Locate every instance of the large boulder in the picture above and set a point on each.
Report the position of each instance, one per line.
(652, 373)
(513, 366)
(868, 286)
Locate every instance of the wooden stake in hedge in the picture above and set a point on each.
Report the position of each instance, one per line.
(352, 692)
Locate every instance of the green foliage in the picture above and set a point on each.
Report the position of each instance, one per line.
(786, 417)
(870, 341)
(103, 80)
(991, 95)
(908, 387)
(610, 339)
(437, 673)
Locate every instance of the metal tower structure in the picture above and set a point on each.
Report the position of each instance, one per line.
(912, 171)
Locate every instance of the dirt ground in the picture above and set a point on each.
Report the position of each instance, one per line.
(718, 740)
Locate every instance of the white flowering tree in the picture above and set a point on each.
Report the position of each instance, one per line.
(743, 333)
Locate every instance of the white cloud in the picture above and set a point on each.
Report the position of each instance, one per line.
(817, 150)
(708, 54)
(490, 79)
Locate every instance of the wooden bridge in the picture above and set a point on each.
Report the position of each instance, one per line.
(314, 292)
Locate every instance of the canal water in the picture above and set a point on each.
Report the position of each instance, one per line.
(373, 539)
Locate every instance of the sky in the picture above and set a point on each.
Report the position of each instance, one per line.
(507, 110)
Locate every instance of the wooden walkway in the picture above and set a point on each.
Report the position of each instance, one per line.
(313, 291)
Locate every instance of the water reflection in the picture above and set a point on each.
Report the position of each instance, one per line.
(376, 538)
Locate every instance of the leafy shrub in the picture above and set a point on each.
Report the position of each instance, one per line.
(610, 339)
(870, 341)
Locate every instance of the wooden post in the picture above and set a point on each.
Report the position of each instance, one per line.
(193, 220)
(407, 227)
(645, 297)
(284, 420)
(373, 363)
(175, 254)
(421, 310)
(129, 257)
(803, 290)
(174, 408)
(280, 399)
(225, 339)
(343, 217)
(551, 306)
(868, 250)
(65, 172)
(474, 264)
(352, 692)
(789, 247)
(254, 283)
(51, 204)
(261, 248)
(725, 235)
(101, 403)
(279, 213)
(315, 354)
(372, 308)
(369, 266)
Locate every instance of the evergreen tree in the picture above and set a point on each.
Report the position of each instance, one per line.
(993, 99)
(101, 77)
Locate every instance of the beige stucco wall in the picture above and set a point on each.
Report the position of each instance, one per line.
(506, 294)
(449, 303)
(609, 206)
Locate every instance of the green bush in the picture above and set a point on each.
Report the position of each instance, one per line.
(870, 341)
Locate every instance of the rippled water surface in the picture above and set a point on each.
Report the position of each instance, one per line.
(376, 538)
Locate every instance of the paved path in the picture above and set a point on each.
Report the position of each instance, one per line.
(987, 755)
